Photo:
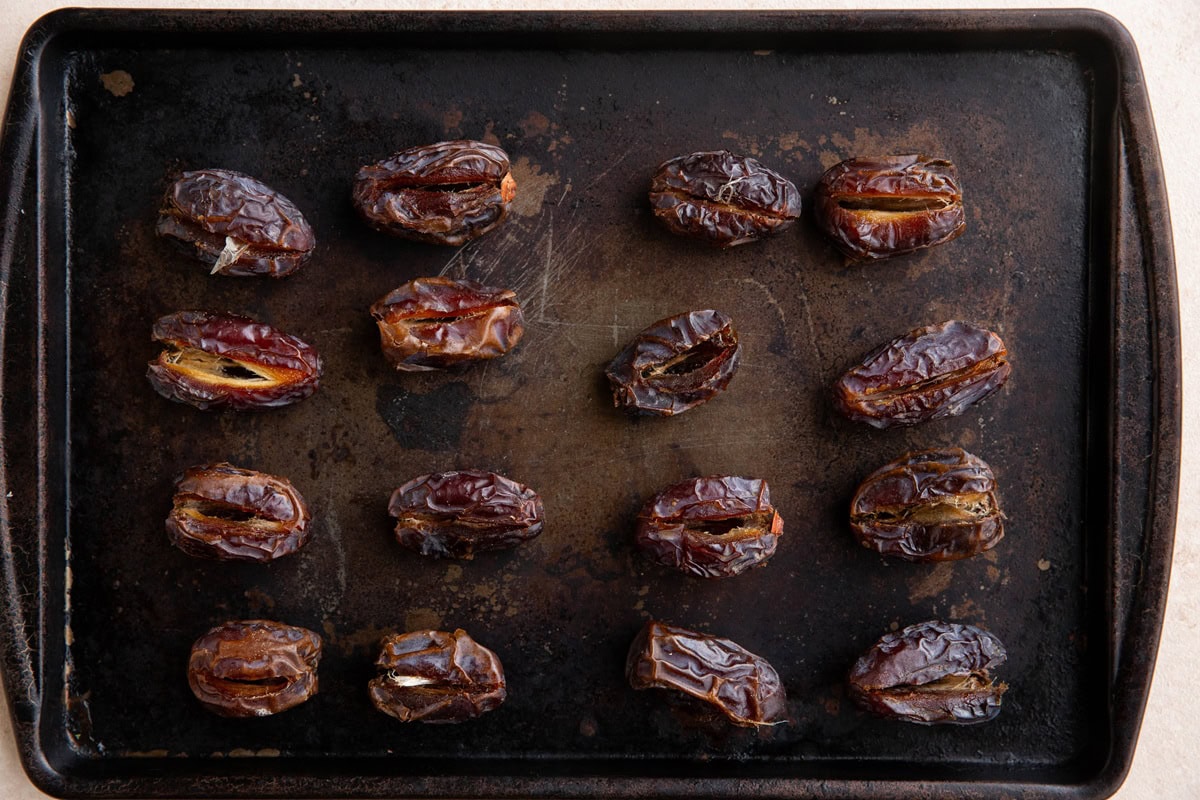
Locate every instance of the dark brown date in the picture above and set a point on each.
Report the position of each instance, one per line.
(430, 323)
(235, 224)
(444, 193)
(435, 676)
(458, 514)
(713, 527)
(931, 673)
(254, 667)
(928, 373)
(229, 361)
(233, 514)
(876, 208)
(741, 685)
(675, 364)
(722, 198)
(932, 505)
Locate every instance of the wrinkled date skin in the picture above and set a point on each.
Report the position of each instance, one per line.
(229, 361)
(932, 673)
(254, 668)
(435, 676)
(722, 198)
(233, 514)
(431, 323)
(741, 685)
(675, 364)
(932, 505)
(235, 224)
(457, 514)
(928, 373)
(714, 527)
(444, 193)
(876, 208)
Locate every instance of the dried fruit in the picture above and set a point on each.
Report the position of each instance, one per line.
(881, 207)
(435, 676)
(225, 360)
(254, 667)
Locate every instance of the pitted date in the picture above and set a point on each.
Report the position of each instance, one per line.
(215, 360)
(722, 198)
(931, 505)
(436, 676)
(931, 673)
(458, 514)
(444, 193)
(713, 527)
(738, 683)
(675, 364)
(431, 323)
(254, 668)
(233, 514)
(235, 224)
(928, 373)
(876, 208)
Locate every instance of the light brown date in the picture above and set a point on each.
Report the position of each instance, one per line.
(436, 676)
(254, 667)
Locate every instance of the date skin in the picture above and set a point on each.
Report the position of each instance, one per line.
(928, 373)
(444, 193)
(714, 527)
(931, 505)
(458, 514)
(254, 668)
(213, 360)
(228, 513)
(436, 677)
(675, 364)
(722, 198)
(235, 224)
(874, 208)
(432, 323)
(736, 682)
(932, 673)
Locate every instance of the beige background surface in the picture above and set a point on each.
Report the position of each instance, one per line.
(1167, 763)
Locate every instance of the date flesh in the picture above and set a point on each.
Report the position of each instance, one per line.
(443, 193)
(738, 683)
(458, 514)
(928, 373)
(235, 224)
(436, 676)
(215, 360)
(430, 323)
(722, 198)
(713, 527)
(931, 505)
(675, 364)
(233, 514)
(876, 208)
(931, 673)
(254, 668)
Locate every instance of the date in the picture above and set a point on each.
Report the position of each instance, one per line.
(458, 514)
(443, 193)
(436, 676)
(931, 673)
(254, 668)
(675, 364)
(928, 373)
(931, 505)
(714, 527)
(233, 514)
(875, 208)
(213, 360)
(738, 683)
(235, 224)
(431, 323)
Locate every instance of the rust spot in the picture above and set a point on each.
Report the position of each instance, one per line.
(534, 124)
(931, 584)
(118, 83)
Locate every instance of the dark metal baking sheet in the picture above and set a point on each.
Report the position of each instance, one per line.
(1067, 255)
